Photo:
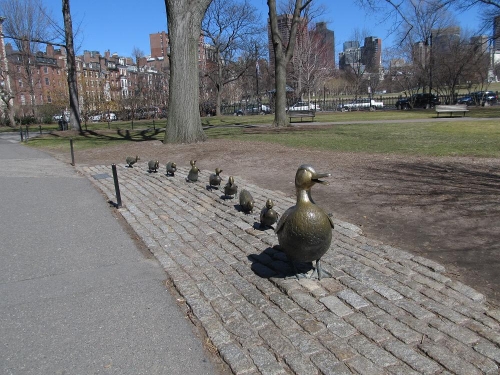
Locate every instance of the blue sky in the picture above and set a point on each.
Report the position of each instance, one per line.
(119, 26)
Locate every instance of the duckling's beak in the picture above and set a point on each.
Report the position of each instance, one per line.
(316, 178)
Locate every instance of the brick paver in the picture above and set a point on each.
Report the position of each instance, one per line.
(385, 311)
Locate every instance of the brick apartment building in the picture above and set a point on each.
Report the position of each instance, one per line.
(38, 81)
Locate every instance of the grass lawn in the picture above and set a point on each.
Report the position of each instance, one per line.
(432, 138)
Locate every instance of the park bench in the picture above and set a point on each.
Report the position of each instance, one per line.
(461, 108)
(302, 114)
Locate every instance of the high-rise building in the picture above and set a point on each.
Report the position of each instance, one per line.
(284, 28)
(372, 54)
(326, 44)
(159, 44)
(443, 39)
(351, 54)
(368, 57)
(480, 43)
(496, 33)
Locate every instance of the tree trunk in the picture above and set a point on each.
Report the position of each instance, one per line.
(280, 115)
(218, 87)
(282, 56)
(184, 26)
(72, 78)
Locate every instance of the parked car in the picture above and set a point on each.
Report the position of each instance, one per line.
(362, 103)
(479, 98)
(468, 100)
(95, 118)
(61, 117)
(422, 100)
(304, 106)
(109, 116)
(253, 109)
(487, 97)
(147, 113)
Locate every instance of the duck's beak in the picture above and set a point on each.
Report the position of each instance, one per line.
(316, 178)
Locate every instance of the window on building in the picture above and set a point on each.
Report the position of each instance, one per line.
(49, 99)
(20, 83)
(45, 69)
(23, 100)
(47, 81)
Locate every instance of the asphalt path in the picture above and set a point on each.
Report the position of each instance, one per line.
(77, 295)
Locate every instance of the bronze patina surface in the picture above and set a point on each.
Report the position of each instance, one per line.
(153, 166)
(246, 201)
(231, 189)
(305, 230)
(268, 216)
(171, 168)
(193, 172)
(132, 160)
(214, 179)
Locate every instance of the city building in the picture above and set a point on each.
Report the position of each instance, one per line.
(159, 44)
(362, 58)
(372, 54)
(326, 44)
(36, 78)
(495, 50)
(284, 28)
(496, 33)
(442, 40)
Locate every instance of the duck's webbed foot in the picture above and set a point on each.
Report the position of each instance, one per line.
(319, 272)
(300, 270)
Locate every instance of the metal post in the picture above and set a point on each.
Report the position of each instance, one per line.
(21, 132)
(117, 187)
(72, 152)
(40, 127)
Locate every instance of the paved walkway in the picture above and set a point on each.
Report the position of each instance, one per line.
(77, 296)
(385, 311)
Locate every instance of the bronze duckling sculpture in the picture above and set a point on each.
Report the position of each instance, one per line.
(230, 189)
(171, 168)
(268, 216)
(215, 179)
(246, 201)
(193, 172)
(305, 230)
(131, 161)
(153, 166)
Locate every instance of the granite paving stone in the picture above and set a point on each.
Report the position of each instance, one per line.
(384, 310)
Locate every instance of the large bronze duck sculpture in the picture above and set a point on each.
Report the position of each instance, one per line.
(193, 172)
(230, 189)
(171, 168)
(214, 179)
(305, 230)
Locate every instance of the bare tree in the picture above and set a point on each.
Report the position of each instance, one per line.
(309, 65)
(230, 28)
(283, 52)
(6, 94)
(489, 8)
(184, 25)
(463, 61)
(74, 107)
(27, 24)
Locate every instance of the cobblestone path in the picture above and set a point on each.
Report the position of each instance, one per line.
(384, 311)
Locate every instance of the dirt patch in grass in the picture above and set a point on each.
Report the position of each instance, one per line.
(445, 209)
